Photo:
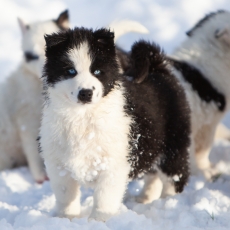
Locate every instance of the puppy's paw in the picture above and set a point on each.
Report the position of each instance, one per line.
(99, 216)
(143, 199)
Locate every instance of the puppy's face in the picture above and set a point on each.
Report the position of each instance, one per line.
(81, 66)
(33, 44)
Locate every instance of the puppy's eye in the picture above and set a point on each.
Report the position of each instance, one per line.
(97, 72)
(72, 71)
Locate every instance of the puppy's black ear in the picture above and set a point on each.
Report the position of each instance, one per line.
(63, 20)
(55, 39)
(104, 36)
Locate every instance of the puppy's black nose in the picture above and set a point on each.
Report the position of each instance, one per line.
(85, 95)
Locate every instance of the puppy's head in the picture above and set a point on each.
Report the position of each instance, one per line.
(33, 44)
(81, 66)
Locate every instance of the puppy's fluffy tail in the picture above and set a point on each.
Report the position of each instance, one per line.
(146, 59)
(125, 26)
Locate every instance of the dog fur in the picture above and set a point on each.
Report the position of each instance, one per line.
(201, 63)
(98, 129)
(21, 100)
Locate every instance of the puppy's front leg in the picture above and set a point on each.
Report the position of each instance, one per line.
(66, 190)
(152, 188)
(108, 194)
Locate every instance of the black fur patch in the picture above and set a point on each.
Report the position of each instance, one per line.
(203, 20)
(101, 49)
(160, 135)
(200, 84)
(62, 18)
(39, 144)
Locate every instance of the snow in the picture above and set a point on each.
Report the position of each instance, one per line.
(176, 178)
(202, 205)
(27, 205)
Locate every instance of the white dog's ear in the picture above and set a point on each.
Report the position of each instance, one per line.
(23, 26)
(223, 35)
(63, 20)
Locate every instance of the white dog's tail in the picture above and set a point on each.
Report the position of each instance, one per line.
(125, 26)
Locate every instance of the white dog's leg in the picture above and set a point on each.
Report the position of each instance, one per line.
(222, 132)
(108, 194)
(28, 129)
(30, 149)
(203, 148)
(192, 159)
(152, 189)
(67, 192)
(204, 164)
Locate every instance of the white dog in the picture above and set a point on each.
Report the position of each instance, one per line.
(202, 66)
(21, 101)
(20, 95)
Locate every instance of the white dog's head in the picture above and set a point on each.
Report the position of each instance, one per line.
(213, 30)
(208, 49)
(33, 44)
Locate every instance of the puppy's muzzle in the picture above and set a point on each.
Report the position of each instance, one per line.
(85, 95)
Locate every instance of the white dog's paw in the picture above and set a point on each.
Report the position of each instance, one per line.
(211, 173)
(40, 177)
(99, 216)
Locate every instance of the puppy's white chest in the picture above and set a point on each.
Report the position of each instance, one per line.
(86, 143)
(85, 155)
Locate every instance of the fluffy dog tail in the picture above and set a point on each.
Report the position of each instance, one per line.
(146, 59)
(125, 26)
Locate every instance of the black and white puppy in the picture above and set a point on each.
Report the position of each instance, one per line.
(98, 129)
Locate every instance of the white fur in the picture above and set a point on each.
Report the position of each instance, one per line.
(211, 55)
(88, 141)
(124, 26)
(152, 189)
(84, 79)
(222, 132)
(21, 104)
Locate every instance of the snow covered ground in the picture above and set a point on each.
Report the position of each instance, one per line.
(202, 205)
(26, 205)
